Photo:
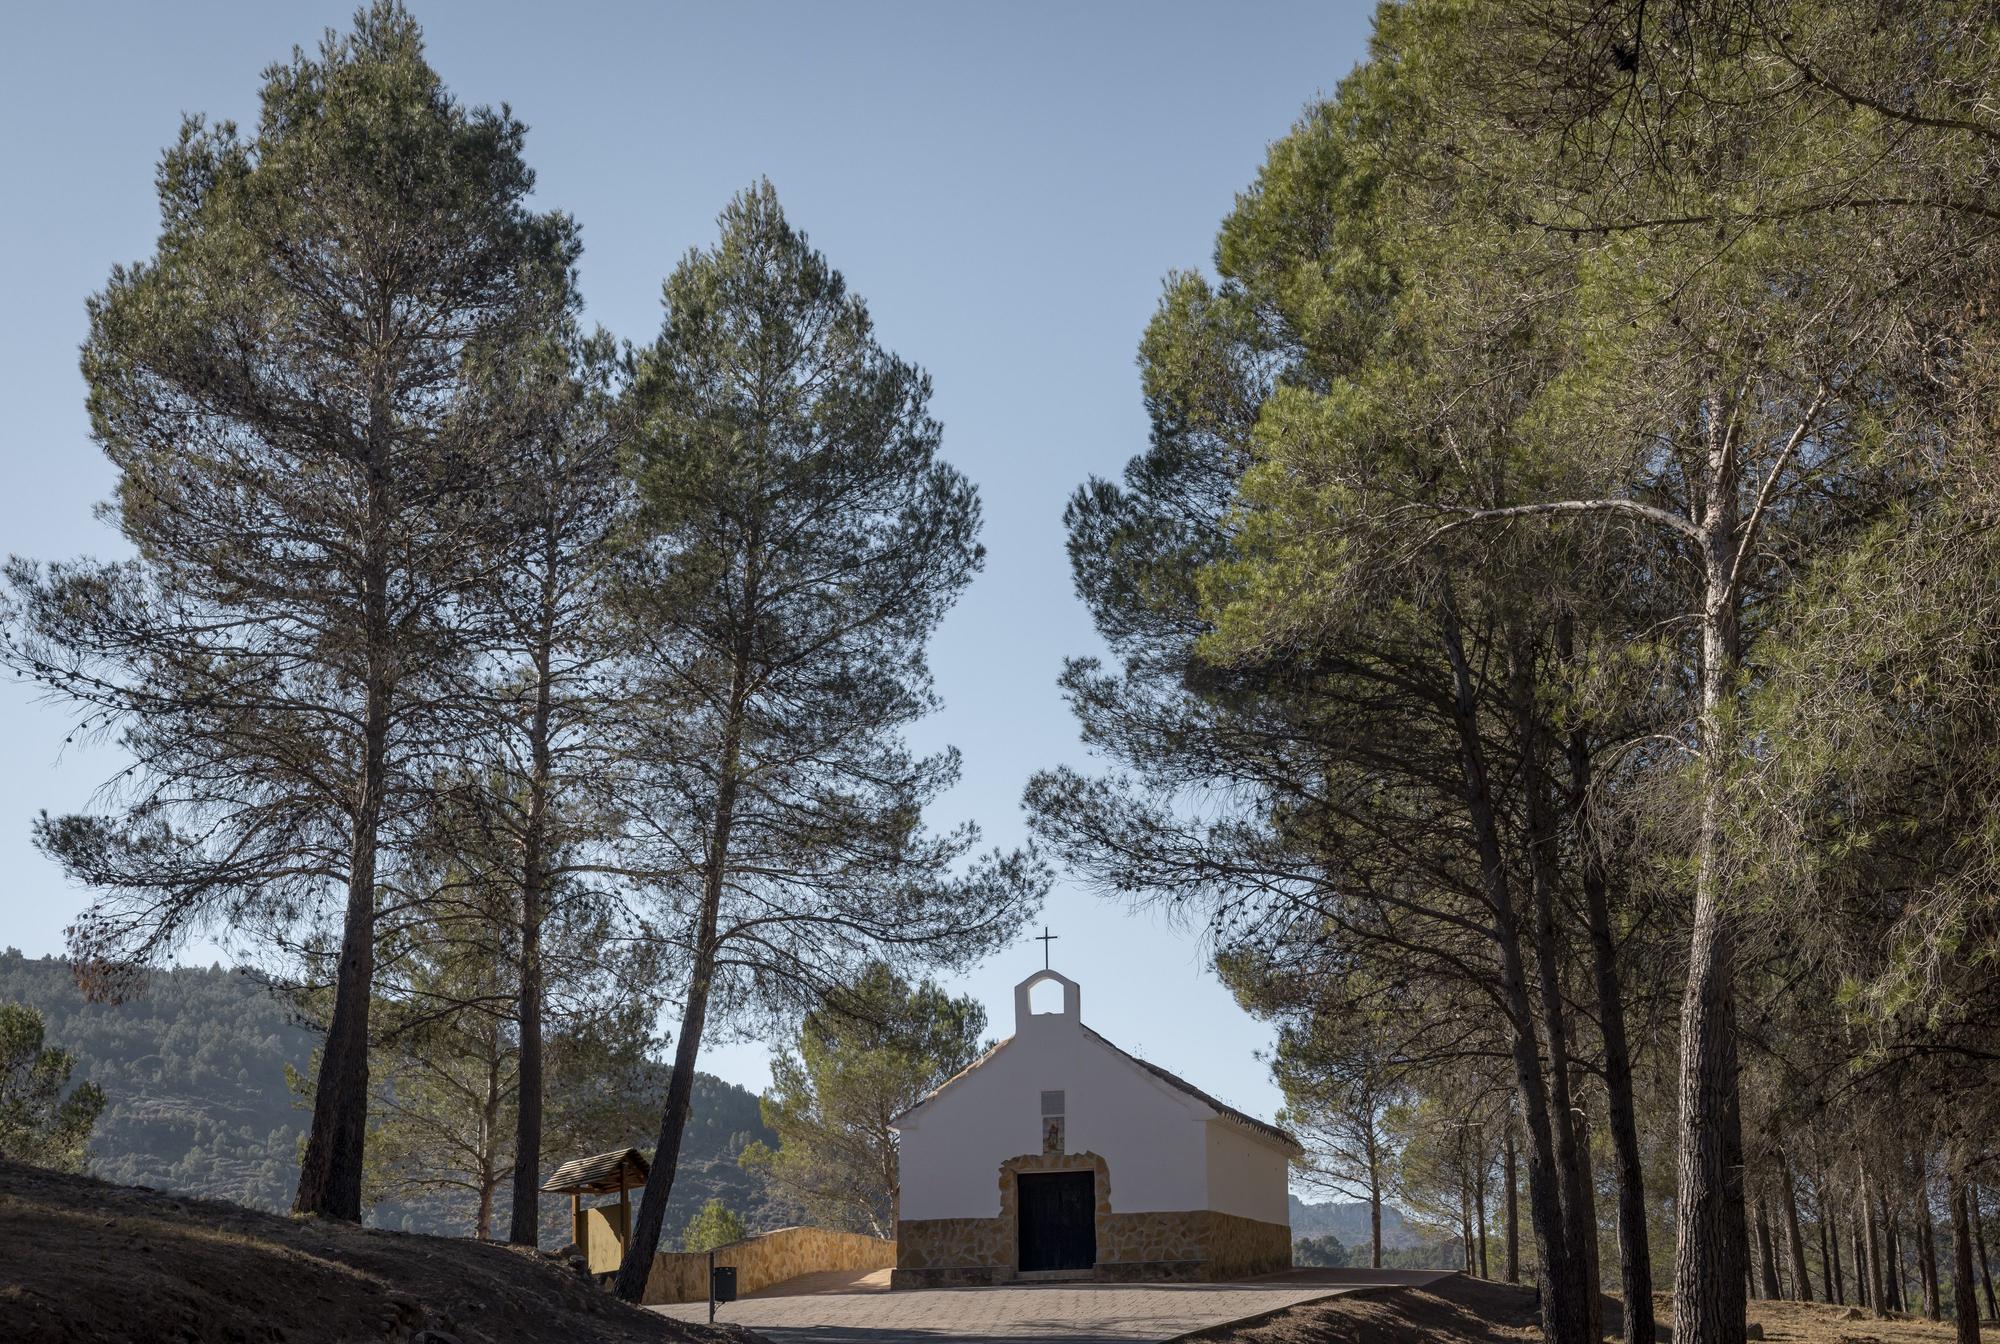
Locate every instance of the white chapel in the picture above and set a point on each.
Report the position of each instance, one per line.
(1058, 1155)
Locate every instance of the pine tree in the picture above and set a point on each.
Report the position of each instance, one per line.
(446, 1074)
(40, 1121)
(549, 791)
(288, 391)
(876, 1049)
(801, 540)
(714, 1224)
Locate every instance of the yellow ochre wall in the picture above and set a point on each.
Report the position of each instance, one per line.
(760, 1261)
(603, 1239)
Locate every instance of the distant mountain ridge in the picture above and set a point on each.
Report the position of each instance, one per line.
(193, 1071)
(1349, 1222)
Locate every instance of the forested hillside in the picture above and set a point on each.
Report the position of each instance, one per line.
(1349, 1222)
(1405, 1244)
(193, 1070)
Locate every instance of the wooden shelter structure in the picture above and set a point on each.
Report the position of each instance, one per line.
(603, 1174)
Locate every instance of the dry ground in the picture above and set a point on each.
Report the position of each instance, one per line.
(1459, 1310)
(1813, 1323)
(1453, 1310)
(83, 1260)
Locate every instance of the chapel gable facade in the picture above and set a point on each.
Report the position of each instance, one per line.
(1058, 1155)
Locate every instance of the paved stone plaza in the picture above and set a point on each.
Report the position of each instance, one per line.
(859, 1310)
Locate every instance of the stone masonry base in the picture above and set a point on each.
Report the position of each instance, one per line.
(1195, 1244)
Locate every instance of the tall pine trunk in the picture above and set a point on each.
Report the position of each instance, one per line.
(1979, 1241)
(1863, 1295)
(1479, 1215)
(524, 1225)
(1927, 1260)
(330, 1168)
(1465, 1206)
(1593, 1274)
(1964, 1304)
(524, 1222)
(645, 1239)
(1878, 1276)
(1709, 1266)
(1767, 1256)
(1801, 1281)
(1893, 1255)
(1374, 1202)
(1513, 1210)
(1579, 1224)
(1564, 1319)
(1635, 1268)
(637, 1263)
(489, 1142)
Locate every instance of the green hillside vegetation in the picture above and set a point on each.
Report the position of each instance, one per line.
(870, 1054)
(194, 1075)
(43, 1119)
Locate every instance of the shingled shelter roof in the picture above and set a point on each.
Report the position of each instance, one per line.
(603, 1174)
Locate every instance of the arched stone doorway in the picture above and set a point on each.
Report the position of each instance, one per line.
(1049, 1222)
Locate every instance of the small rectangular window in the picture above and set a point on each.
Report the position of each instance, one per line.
(1052, 1103)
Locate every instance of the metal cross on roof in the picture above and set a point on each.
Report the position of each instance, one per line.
(1045, 939)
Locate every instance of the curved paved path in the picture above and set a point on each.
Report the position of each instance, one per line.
(826, 1309)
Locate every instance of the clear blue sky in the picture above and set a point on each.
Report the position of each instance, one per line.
(1006, 184)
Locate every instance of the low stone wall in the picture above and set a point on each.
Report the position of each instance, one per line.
(1239, 1247)
(1194, 1244)
(760, 1261)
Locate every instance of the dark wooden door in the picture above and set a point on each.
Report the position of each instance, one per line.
(1057, 1214)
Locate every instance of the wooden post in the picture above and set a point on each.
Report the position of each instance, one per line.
(576, 1223)
(624, 1214)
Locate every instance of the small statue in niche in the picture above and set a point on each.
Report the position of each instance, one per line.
(1052, 1134)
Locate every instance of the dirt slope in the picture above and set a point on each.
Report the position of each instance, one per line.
(1461, 1310)
(82, 1260)
(1454, 1310)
